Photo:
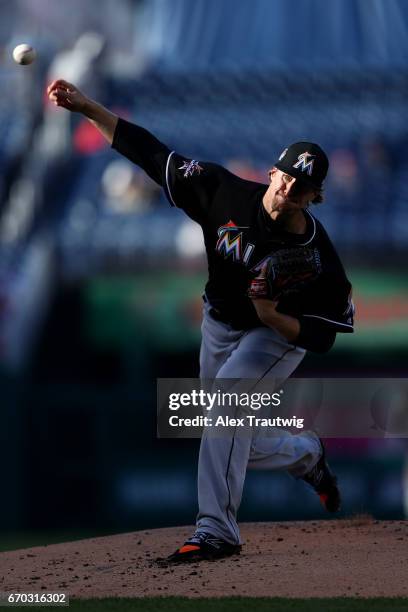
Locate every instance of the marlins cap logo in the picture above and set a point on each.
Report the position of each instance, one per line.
(304, 163)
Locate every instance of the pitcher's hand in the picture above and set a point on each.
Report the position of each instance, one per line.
(64, 94)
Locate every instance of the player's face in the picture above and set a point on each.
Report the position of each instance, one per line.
(287, 193)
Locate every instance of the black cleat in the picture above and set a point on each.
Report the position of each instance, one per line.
(203, 546)
(324, 482)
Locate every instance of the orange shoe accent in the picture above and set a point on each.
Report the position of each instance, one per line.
(188, 548)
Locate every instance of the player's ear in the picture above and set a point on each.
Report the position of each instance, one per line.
(271, 172)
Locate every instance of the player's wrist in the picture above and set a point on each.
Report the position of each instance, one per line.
(287, 325)
(88, 108)
(272, 317)
(266, 310)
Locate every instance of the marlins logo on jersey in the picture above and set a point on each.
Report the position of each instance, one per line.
(229, 243)
(190, 168)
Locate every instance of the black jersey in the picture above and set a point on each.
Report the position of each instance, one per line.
(242, 243)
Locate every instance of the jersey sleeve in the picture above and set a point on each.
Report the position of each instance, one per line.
(314, 335)
(332, 307)
(192, 185)
(329, 300)
(141, 148)
(323, 304)
(188, 184)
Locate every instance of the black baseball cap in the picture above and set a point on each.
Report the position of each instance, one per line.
(305, 161)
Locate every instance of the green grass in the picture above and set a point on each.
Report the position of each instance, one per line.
(235, 604)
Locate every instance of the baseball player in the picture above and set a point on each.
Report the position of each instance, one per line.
(276, 289)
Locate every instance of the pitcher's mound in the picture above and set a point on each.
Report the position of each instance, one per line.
(357, 557)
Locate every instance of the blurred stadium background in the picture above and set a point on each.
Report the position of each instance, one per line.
(99, 294)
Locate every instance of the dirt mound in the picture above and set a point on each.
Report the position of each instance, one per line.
(354, 557)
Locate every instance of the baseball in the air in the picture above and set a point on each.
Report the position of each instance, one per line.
(24, 54)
